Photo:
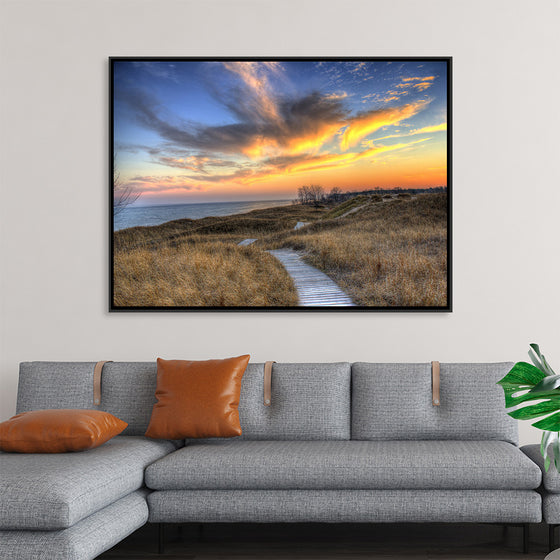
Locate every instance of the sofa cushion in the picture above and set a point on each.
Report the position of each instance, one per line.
(550, 478)
(54, 491)
(394, 401)
(40, 385)
(344, 465)
(309, 402)
(85, 540)
(551, 508)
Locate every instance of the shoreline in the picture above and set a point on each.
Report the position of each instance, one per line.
(157, 212)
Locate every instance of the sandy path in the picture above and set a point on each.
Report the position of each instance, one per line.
(351, 211)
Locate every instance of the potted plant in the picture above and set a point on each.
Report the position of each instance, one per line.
(526, 383)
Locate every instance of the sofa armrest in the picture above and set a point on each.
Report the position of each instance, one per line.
(551, 479)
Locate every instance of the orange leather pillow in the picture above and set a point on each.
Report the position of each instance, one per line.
(197, 399)
(58, 431)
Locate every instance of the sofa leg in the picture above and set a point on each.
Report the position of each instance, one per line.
(161, 538)
(551, 543)
(525, 538)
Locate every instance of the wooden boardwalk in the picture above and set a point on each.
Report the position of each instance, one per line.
(314, 288)
(246, 242)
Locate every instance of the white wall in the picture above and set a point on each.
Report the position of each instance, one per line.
(506, 233)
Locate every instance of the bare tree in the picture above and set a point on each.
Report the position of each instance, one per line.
(317, 194)
(123, 195)
(301, 195)
(311, 194)
(335, 194)
(304, 195)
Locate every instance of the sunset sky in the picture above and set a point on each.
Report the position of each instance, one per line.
(196, 131)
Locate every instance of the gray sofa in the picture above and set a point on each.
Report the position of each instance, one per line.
(340, 443)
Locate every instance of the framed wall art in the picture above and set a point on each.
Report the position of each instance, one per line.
(319, 184)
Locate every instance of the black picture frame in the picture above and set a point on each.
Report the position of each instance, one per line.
(448, 307)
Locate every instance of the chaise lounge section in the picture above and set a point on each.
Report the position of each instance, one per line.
(73, 506)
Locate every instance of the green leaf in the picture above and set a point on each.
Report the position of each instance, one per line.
(514, 397)
(526, 383)
(550, 423)
(535, 410)
(522, 375)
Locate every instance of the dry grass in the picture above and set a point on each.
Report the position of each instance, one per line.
(348, 205)
(238, 227)
(201, 273)
(384, 254)
(197, 263)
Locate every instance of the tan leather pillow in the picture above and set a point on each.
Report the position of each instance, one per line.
(197, 399)
(58, 431)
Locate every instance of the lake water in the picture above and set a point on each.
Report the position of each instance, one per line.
(154, 215)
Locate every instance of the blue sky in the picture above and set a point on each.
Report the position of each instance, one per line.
(196, 131)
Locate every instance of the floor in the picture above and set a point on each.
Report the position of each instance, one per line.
(333, 542)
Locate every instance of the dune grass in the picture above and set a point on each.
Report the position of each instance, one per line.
(203, 273)
(256, 223)
(386, 254)
(352, 203)
(383, 254)
(197, 263)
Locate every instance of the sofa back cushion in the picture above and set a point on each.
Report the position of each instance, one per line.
(394, 402)
(309, 401)
(127, 389)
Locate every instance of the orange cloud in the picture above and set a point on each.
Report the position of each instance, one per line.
(422, 86)
(317, 163)
(425, 130)
(363, 125)
(308, 141)
(428, 129)
(422, 83)
(260, 147)
(312, 141)
(419, 79)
